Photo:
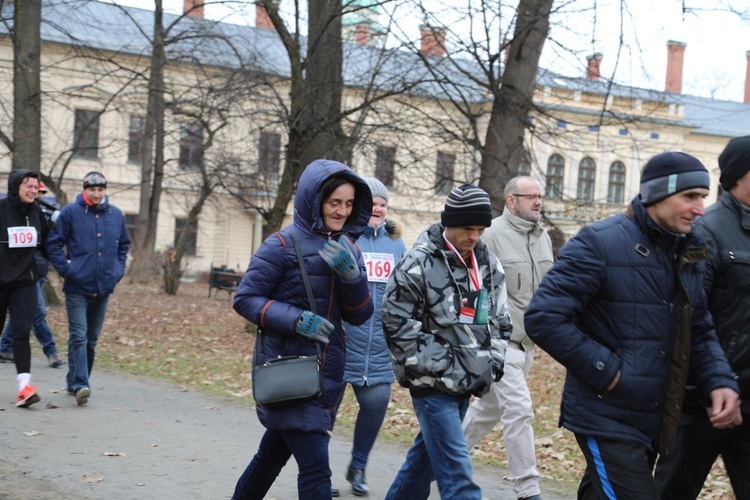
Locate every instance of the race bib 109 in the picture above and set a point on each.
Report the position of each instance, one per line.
(21, 236)
(379, 266)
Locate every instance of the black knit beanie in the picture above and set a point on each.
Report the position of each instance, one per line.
(669, 173)
(467, 205)
(734, 161)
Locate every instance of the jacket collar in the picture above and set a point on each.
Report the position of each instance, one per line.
(743, 213)
(519, 224)
(657, 234)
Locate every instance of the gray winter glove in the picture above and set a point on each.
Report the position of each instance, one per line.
(340, 259)
(313, 327)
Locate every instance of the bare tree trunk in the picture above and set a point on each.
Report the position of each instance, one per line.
(315, 120)
(27, 93)
(173, 257)
(152, 167)
(513, 102)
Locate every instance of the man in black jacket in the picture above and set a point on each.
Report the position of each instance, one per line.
(726, 232)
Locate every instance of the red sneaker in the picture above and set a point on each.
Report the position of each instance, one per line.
(27, 397)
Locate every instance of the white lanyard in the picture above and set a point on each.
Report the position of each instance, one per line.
(473, 271)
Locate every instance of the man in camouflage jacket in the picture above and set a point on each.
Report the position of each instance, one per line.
(446, 322)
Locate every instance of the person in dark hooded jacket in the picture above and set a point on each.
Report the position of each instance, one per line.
(331, 209)
(22, 231)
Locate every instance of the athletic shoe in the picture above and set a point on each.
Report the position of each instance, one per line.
(6, 357)
(27, 397)
(54, 360)
(82, 395)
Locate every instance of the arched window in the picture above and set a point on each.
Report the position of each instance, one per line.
(586, 178)
(555, 172)
(524, 168)
(616, 191)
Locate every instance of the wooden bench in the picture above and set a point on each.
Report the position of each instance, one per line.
(223, 278)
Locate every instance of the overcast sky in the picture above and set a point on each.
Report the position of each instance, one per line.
(714, 64)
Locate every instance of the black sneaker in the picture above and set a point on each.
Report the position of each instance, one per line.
(54, 361)
(335, 491)
(6, 357)
(82, 395)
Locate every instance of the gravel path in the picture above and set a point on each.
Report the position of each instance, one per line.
(141, 439)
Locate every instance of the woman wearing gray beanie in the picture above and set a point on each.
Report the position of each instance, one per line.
(368, 363)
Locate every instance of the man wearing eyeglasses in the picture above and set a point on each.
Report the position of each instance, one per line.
(525, 251)
(96, 248)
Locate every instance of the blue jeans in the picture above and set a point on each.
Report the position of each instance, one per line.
(85, 320)
(41, 329)
(373, 402)
(439, 451)
(310, 450)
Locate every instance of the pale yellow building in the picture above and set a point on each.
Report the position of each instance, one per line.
(95, 59)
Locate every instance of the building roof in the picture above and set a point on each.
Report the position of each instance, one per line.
(127, 30)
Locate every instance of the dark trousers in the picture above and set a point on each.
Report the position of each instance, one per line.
(681, 475)
(21, 303)
(310, 450)
(616, 469)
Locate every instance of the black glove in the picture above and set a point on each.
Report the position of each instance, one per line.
(498, 369)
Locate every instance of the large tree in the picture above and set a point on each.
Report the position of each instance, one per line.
(152, 161)
(26, 144)
(513, 100)
(316, 86)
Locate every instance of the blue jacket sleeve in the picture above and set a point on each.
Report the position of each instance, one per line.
(565, 292)
(708, 363)
(255, 300)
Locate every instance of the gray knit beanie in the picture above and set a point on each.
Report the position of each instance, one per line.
(668, 173)
(467, 205)
(377, 188)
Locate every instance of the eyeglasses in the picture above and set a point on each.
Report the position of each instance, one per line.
(533, 197)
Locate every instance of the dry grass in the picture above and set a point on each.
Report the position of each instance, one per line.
(202, 343)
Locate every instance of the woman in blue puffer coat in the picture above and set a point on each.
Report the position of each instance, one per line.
(368, 360)
(331, 208)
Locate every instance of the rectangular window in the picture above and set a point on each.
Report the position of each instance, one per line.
(594, 128)
(135, 139)
(192, 242)
(86, 134)
(654, 135)
(269, 158)
(385, 165)
(623, 131)
(444, 173)
(561, 124)
(191, 145)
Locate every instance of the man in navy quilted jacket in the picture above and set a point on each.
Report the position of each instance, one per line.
(95, 240)
(725, 229)
(624, 311)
